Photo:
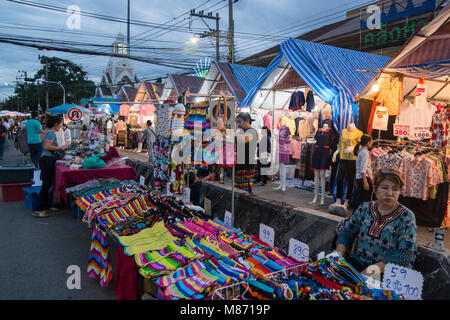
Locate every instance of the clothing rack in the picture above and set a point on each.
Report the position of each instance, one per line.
(403, 144)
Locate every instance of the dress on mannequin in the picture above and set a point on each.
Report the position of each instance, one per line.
(347, 169)
(321, 159)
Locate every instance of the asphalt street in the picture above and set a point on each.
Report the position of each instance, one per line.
(37, 252)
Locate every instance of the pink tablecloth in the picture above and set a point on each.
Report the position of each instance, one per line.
(66, 177)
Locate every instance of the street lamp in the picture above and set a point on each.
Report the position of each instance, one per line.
(58, 83)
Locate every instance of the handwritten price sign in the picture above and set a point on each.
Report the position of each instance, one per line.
(267, 234)
(404, 281)
(228, 218)
(298, 250)
(420, 133)
(401, 131)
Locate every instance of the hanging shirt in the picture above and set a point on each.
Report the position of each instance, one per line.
(297, 100)
(391, 95)
(289, 123)
(348, 139)
(124, 110)
(257, 122)
(295, 148)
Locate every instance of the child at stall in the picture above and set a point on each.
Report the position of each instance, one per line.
(196, 185)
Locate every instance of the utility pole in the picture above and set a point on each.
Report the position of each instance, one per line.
(230, 32)
(128, 24)
(46, 84)
(215, 33)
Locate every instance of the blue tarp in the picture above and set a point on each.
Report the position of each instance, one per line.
(330, 72)
(428, 70)
(65, 107)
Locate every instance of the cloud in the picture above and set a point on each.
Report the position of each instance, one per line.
(251, 16)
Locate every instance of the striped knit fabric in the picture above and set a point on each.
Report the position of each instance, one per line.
(85, 202)
(99, 263)
(244, 179)
(136, 207)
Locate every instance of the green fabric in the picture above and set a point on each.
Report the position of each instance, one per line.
(94, 162)
(33, 128)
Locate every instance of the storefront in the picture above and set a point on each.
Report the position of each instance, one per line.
(406, 111)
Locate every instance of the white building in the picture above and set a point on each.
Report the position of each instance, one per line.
(119, 71)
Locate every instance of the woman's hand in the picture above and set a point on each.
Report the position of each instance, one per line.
(374, 270)
(366, 185)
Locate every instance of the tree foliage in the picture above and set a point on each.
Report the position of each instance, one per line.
(70, 75)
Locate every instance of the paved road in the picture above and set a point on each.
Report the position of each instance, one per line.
(35, 253)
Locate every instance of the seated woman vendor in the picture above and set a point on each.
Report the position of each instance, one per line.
(382, 231)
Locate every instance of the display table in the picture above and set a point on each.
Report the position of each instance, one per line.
(66, 177)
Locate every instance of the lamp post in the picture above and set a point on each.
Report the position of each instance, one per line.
(58, 83)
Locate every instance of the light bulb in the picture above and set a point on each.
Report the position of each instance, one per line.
(376, 87)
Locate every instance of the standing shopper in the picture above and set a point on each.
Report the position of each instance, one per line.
(363, 169)
(67, 135)
(150, 137)
(47, 165)
(246, 142)
(34, 130)
(3, 136)
(8, 127)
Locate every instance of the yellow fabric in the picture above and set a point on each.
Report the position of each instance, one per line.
(303, 128)
(149, 239)
(348, 139)
(289, 123)
(391, 96)
(213, 247)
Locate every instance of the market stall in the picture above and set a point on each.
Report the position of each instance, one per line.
(90, 158)
(200, 258)
(306, 86)
(406, 111)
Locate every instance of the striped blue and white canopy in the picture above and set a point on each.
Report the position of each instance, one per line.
(330, 72)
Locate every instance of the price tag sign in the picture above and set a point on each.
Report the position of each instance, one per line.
(401, 131)
(186, 195)
(420, 133)
(207, 205)
(267, 234)
(403, 281)
(298, 250)
(228, 218)
(141, 180)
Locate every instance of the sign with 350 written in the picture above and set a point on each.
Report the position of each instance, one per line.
(401, 131)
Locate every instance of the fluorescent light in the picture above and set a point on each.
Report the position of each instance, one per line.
(376, 87)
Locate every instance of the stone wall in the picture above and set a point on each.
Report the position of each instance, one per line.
(315, 228)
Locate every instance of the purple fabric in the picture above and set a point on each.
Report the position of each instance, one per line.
(126, 279)
(283, 145)
(65, 177)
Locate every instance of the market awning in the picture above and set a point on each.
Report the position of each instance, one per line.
(430, 70)
(329, 71)
(65, 107)
(425, 55)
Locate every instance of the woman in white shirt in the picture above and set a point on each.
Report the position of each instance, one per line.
(363, 169)
(67, 135)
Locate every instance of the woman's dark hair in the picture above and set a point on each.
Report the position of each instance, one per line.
(390, 174)
(191, 178)
(52, 121)
(269, 134)
(149, 123)
(365, 139)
